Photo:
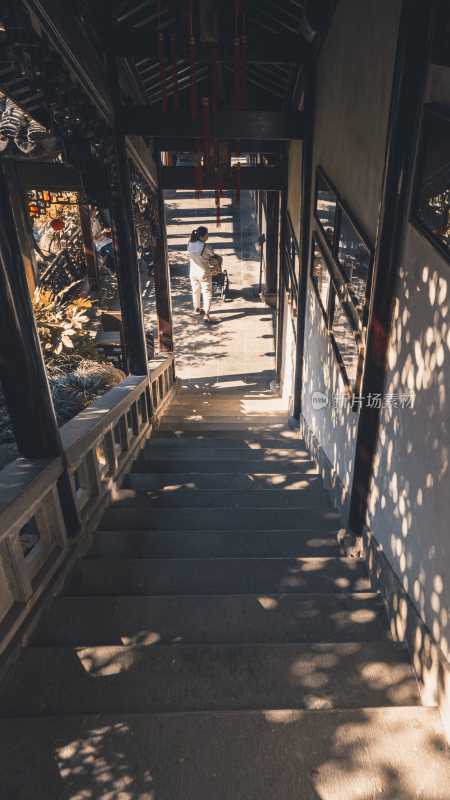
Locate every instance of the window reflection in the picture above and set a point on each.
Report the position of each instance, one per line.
(326, 208)
(354, 258)
(345, 341)
(432, 206)
(321, 276)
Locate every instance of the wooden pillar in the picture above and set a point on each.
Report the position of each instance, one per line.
(161, 273)
(410, 71)
(126, 262)
(272, 247)
(281, 305)
(90, 255)
(22, 370)
(305, 230)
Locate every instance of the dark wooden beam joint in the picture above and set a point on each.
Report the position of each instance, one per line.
(282, 49)
(271, 125)
(254, 178)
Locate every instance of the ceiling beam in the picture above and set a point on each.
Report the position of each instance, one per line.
(174, 145)
(259, 125)
(142, 43)
(264, 178)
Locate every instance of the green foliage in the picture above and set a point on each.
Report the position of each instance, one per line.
(61, 324)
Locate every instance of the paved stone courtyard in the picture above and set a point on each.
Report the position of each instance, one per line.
(239, 349)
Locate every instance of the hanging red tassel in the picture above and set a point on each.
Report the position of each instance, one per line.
(198, 178)
(220, 183)
(216, 153)
(197, 144)
(238, 147)
(214, 84)
(238, 184)
(192, 60)
(236, 86)
(173, 57)
(244, 101)
(162, 70)
(206, 129)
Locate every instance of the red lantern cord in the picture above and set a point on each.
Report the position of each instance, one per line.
(238, 147)
(198, 178)
(173, 56)
(238, 185)
(191, 155)
(236, 86)
(214, 85)
(192, 60)
(216, 152)
(197, 144)
(162, 70)
(244, 73)
(220, 183)
(206, 129)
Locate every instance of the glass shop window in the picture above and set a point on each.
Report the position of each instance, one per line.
(431, 206)
(321, 277)
(325, 207)
(354, 258)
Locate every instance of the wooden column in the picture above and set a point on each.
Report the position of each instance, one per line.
(410, 71)
(305, 230)
(127, 267)
(161, 274)
(272, 247)
(281, 305)
(90, 255)
(22, 370)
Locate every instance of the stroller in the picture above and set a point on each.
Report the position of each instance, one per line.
(220, 278)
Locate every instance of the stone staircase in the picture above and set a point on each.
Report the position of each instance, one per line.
(216, 643)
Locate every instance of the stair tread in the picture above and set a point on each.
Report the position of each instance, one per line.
(213, 619)
(138, 678)
(214, 544)
(142, 481)
(133, 576)
(311, 497)
(259, 465)
(242, 443)
(116, 518)
(400, 751)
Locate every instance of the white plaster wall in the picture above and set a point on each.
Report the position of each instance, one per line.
(353, 92)
(287, 374)
(409, 509)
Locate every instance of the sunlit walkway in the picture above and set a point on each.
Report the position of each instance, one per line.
(239, 350)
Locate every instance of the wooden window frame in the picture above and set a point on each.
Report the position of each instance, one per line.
(431, 112)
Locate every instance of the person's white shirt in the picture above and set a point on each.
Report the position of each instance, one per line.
(102, 240)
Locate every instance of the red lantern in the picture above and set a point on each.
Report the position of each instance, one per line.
(57, 224)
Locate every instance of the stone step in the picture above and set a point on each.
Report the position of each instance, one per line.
(142, 678)
(311, 497)
(224, 420)
(145, 481)
(175, 445)
(190, 428)
(344, 754)
(256, 434)
(137, 576)
(207, 519)
(214, 619)
(267, 455)
(253, 465)
(214, 544)
(229, 405)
